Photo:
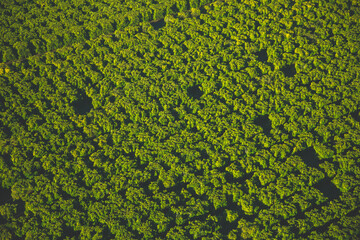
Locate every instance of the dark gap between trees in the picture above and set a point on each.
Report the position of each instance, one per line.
(82, 105)
(194, 92)
(262, 56)
(289, 70)
(264, 122)
(309, 157)
(158, 24)
(328, 189)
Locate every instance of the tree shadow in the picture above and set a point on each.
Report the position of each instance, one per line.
(82, 105)
(262, 56)
(204, 155)
(69, 232)
(289, 70)
(324, 228)
(111, 99)
(193, 130)
(5, 195)
(264, 122)
(2, 104)
(356, 115)
(194, 92)
(6, 157)
(158, 24)
(354, 213)
(328, 189)
(309, 157)
(175, 114)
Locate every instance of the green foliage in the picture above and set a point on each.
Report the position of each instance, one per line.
(238, 119)
(22, 49)
(323, 151)
(8, 54)
(76, 22)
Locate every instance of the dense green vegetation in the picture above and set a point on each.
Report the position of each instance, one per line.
(234, 120)
(35, 27)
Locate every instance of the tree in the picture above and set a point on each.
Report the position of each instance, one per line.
(231, 215)
(265, 176)
(23, 49)
(8, 54)
(176, 233)
(323, 151)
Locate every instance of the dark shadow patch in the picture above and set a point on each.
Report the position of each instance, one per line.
(356, 115)
(69, 232)
(112, 99)
(94, 67)
(32, 48)
(113, 37)
(226, 227)
(175, 114)
(7, 158)
(139, 55)
(20, 208)
(2, 104)
(176, 188)
(184, 48)
(291, 4)
(202, 105)
(328, 189)
(64, 195)
(159, 45)
(248, 218)
(283, 222)
(353, 213)
(41, 171)
(5, 195)
(194, 92)
(310, 30)
(121, 110)
(107, 234)
(204, 155)
(158, 24)
(86, 46)
(193, 130)
(226, 163)
(262, 56)
(271, 65)
(87, 81)
(264, 122)
(82, 105)
(172, 10)
(289, 70)
(256, 24)
(231, 205)
(324, 228)
(309, 157)
(299, 213)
